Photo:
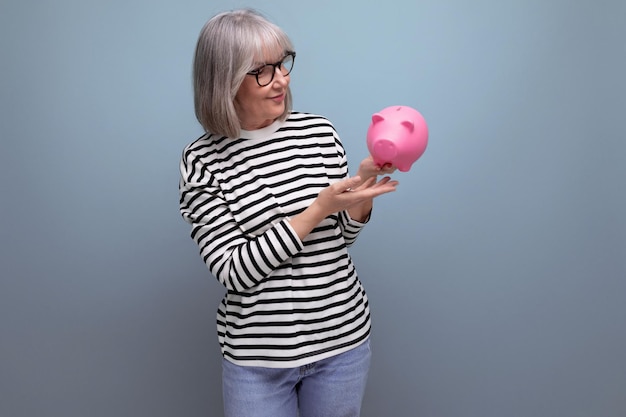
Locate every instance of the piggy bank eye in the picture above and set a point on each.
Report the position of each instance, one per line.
(409, 125)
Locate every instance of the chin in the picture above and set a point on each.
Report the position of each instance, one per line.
(279, 112)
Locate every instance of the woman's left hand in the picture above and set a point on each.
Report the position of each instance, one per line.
(369, 172)
(368, 169)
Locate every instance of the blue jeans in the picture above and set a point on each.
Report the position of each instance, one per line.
(332, 387)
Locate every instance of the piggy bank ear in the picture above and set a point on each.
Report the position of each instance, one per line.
(377, 118)
(409, 125)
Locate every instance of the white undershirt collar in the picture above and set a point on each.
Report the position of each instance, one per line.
(264, 132)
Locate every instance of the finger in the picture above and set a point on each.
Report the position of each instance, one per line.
(384, 186)
(366, 184)
(388, 169)
(383, 181)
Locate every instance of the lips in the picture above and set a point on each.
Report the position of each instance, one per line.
(279, 97)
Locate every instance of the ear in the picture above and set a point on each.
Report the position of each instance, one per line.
(409, 125)
(377, 118)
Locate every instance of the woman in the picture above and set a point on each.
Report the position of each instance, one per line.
(273, 211)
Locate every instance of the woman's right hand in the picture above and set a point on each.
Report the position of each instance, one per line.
(338, 197)
(351, 192)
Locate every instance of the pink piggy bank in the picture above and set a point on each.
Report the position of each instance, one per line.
(397, 135)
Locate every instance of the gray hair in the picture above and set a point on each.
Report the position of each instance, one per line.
(227, 47)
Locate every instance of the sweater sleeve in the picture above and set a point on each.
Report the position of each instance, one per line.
(237, 260)
(350, 228)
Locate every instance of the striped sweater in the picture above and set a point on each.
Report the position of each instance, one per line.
(288, 302)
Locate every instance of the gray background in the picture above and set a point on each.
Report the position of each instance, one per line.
(496, 274)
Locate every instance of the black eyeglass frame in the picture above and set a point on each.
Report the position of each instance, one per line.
(275, 65)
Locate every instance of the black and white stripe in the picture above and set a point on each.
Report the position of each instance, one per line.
(289, 302)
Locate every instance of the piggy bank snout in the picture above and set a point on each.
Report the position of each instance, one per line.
(384, 149)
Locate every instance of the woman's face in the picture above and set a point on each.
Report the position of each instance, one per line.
(257, 106)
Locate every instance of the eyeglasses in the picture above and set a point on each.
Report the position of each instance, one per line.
(265, 74)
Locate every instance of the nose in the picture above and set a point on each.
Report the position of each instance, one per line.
(279, 77)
